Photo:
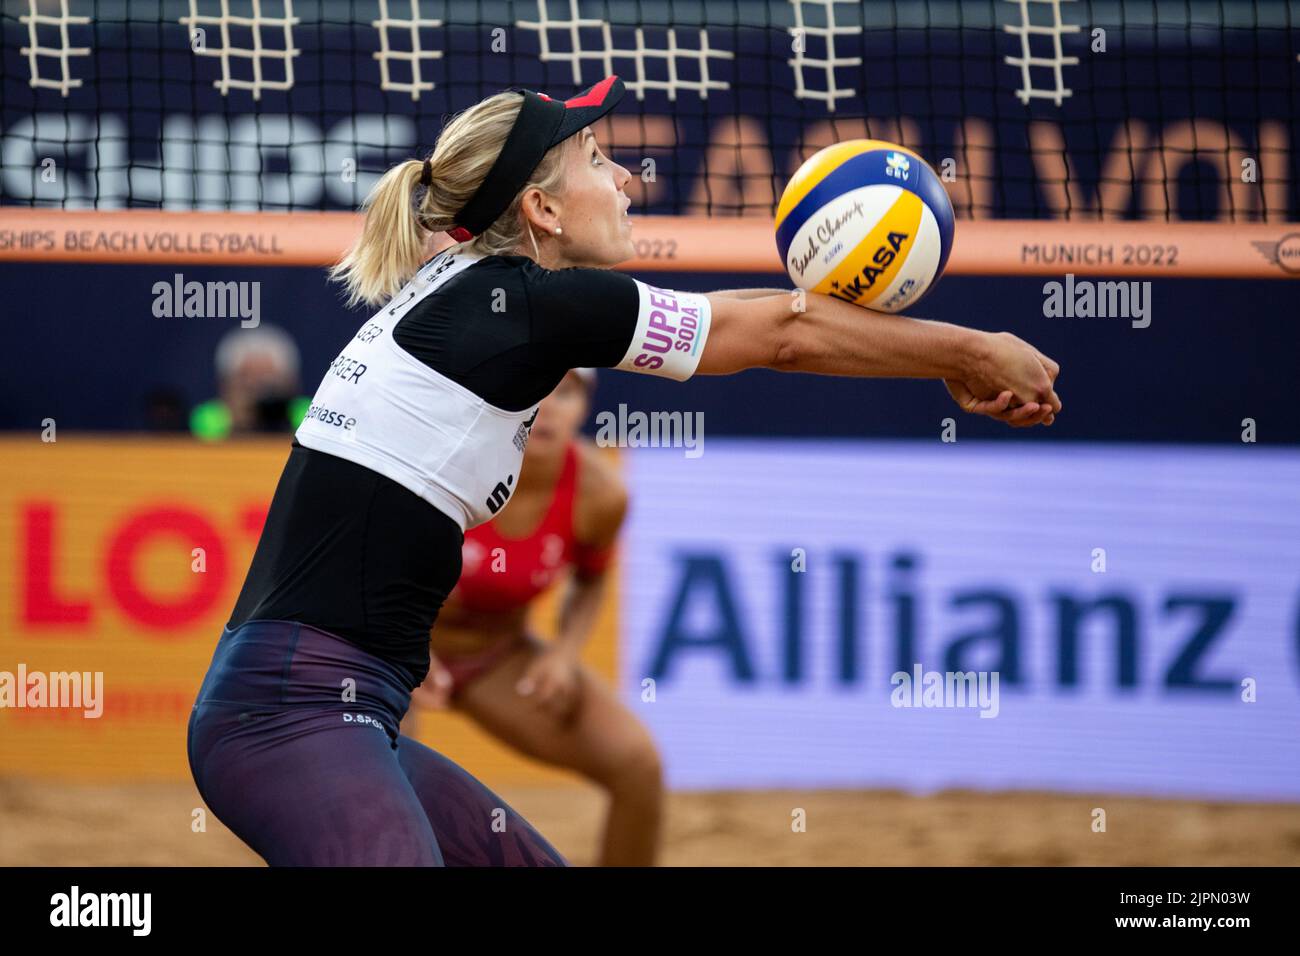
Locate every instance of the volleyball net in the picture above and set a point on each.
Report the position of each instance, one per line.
(1096, 135)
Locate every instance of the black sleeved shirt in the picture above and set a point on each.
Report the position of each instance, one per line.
(418, 431)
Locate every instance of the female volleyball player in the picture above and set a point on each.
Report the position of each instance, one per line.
(539, 697)
(417, 432)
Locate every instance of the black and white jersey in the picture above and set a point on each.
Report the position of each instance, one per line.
(439, 389)
(418, 429)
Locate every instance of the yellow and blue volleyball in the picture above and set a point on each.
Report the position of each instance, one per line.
(866, 221)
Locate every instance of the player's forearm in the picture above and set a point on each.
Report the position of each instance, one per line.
(578, 612)
(831, 337)
(752, 293)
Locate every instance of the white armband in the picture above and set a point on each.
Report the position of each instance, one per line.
(670, 331)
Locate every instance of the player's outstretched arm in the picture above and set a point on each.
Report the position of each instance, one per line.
(995, 374)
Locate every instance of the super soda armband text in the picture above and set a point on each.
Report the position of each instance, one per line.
(671, 328)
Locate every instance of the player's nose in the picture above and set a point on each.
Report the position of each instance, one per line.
(621, 176)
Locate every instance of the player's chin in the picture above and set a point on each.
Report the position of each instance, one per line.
(623, 239)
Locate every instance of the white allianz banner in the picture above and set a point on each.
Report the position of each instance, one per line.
(1101, 618)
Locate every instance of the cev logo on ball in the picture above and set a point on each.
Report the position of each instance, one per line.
(897, 165)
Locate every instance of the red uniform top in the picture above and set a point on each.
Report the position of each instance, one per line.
(508, 578)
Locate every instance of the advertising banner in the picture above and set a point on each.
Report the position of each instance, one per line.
(120, 561)
(1101, 618)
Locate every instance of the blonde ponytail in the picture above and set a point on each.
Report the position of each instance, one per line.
(393, 242)
(391, 246)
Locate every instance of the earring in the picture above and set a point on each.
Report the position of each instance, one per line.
(558, 230)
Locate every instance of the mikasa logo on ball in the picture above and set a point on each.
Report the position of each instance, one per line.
(862, 283)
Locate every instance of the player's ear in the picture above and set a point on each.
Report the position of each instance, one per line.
(539, 209)
(528, 205)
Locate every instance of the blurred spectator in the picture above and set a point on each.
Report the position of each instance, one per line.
(257, 377)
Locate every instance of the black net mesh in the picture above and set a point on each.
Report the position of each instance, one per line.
(1027, 108)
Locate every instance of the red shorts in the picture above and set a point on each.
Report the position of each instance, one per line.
(466, 668)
